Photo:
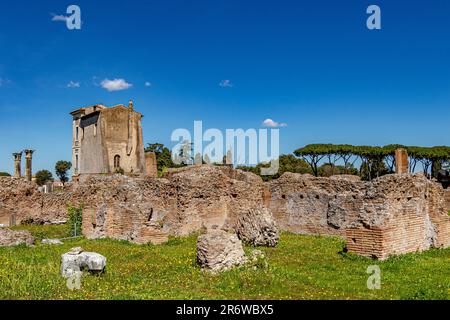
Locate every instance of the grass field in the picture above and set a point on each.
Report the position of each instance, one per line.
(300, 267)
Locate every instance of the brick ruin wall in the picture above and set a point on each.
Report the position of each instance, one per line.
(20, 200)
(413, 218)
(140, 209)
(393, 214)
(447, 199)
(302, 203)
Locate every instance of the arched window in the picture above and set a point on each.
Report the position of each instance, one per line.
(116, 161)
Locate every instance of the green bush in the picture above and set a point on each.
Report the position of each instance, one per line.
(75, 220)
(27, 221)
(43, 176)
(119, 171)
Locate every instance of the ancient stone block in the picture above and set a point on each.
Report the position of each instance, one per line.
(51, 241)
(78, 260)
(257, 227)
(218, 250)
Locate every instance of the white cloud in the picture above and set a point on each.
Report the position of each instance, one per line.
(56, 17)
(73, 84)
(273, 124)
(148, 84)
(226, 84)
(115, 85)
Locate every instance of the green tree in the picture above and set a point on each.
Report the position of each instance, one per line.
(313, 154)
(287, 163)
(163, 156)
(43, 176)
(330, 169)
(4, 174)
(61, 169)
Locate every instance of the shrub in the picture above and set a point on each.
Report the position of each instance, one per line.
(75, 220)
(27, 221)
(119, 171)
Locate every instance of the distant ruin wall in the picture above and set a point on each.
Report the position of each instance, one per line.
(22, 200)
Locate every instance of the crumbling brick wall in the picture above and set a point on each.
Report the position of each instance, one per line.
(400, 214)
(302, 203)
(185, 201)
(447, 199)
(22, 199)
(394, 214)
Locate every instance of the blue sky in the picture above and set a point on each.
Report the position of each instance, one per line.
(311, 64)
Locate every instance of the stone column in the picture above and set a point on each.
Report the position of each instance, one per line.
(151, 166)
(401, 161)
(28, 169)
(17, 164)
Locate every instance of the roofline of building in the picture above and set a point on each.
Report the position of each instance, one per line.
(102, 107)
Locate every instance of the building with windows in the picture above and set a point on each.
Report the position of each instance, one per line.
(107, 140)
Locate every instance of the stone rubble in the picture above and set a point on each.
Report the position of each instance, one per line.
(77, 260)
(51, 241)
(219, 250)
(10, 237)
(258, 228)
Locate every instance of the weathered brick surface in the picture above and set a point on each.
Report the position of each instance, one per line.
(306, 204)
(447, 198)
(394, 214)
(22, 199)
(185, 201)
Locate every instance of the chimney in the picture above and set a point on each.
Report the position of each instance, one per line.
(130, 105)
